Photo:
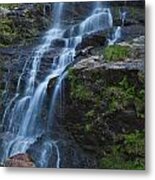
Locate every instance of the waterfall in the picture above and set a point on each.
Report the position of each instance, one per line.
(24, 117)
(58, 10)
(123, 15)
(100, 20)
(117, 32)
(25, 110)
(115, 36)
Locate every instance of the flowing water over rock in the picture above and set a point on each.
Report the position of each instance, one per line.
(22, 118)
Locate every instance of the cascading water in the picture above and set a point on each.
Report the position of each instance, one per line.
(115, 36)
(23, 113)
(118, 30)
(27, 108)
(123, 15)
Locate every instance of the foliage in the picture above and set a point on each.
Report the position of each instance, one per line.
(88, 128)
(21, 30)
(81, 92)
(128, 155)
(9, 6)
(117, 96)
(116, 53)
(134, 144)
(90, 114)
(78, 90)
(123, 94)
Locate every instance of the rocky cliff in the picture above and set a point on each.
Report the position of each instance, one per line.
(103, 122)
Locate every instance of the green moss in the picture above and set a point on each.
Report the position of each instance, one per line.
(134, 144)
(90, 114)
(116, 53)
(9, 6)
(118, 97)
(78, 90)
(22, 30)
(128, 155)
(89, 117)
(81, 93)
(88, 128)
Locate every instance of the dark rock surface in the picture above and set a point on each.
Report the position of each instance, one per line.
(95, 86)
(95, 39)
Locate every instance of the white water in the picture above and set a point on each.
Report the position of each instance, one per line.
(57, 13)
(115, 36)
(123, 15)
(118, 30)
(27, 109)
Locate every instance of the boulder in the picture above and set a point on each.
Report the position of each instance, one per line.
(94, 39)
(19, 160)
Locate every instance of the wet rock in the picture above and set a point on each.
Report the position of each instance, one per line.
(94, 39)
(58, 43)
(19, 160)
(137, 30)
(71, 32)
(71, 154)
(50, 86)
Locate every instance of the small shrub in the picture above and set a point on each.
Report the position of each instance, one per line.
(123, 94)
(116, 53)
(128, 155)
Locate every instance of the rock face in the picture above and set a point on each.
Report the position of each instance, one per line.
(95, 39)
(105, 106)
(103, 121)
(22, 23)
(12, 60)
(20, 160)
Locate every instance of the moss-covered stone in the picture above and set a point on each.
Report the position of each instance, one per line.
(78, 90)
(22, 26)
(129, 154)
(105, 105)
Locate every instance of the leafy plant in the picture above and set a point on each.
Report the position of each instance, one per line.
(116, 53)
(121, 95)
(128, 155)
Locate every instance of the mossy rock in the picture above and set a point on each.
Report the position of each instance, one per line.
(129, 153)
(24, 29)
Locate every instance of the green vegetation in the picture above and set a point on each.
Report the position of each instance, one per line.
(130, 154)
(81, 92)
(78, 90)
(117, 96)
(9, 6)
(90, 114)
(14, 31)
(21, 30)
(98, 100)
(125, 93)
(116, 53)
